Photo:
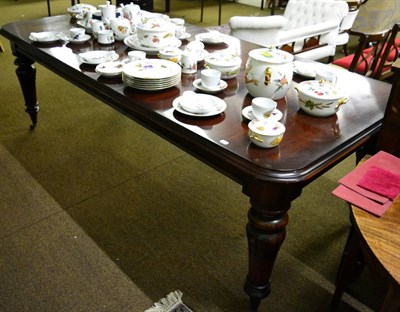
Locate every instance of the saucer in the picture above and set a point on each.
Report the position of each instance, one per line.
(218, 106)
(184, 36)
(247, 113)
(222, 85)
(82, 39)
(109, 69)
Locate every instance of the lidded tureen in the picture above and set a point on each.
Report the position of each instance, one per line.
(155, 31)
(319, 97)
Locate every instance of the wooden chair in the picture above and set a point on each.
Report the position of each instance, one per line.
(375, 54)
(347, 23)
(376, 241)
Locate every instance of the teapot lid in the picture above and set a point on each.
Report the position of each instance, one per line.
(271, 55)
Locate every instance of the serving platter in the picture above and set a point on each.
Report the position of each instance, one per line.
(44, 36)
(133, 42)
(97, 57)
(218, 104)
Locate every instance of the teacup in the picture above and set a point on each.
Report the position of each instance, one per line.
(180, 31)
(136, 55)
(77, 33)
(210, 78)
(262, 107)
(327, 75)
(105, 36)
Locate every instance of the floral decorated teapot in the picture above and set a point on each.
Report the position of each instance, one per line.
(269, 72)
(121, 27)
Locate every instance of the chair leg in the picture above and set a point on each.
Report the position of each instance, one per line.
(201, 10)
(350, 266)
(345, 49)
(392, 298)
(48, 7)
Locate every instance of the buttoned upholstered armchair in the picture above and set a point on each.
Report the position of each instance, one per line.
(308, 28)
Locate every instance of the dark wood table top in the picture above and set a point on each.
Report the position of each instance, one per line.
(309, 145)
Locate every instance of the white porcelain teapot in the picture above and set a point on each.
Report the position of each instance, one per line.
(121, 27)
(269, 72)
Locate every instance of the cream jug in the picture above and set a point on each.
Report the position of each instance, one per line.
(108, 12)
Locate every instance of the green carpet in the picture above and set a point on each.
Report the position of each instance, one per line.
(99, 214)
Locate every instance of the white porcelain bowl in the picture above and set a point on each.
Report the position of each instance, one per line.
(319, 98)
(171, 54)
(266, 133)
(227, 63)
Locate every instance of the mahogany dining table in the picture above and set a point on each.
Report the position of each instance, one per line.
(271, 178)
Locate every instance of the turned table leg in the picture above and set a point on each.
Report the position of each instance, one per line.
(266, 231)
(26, 73)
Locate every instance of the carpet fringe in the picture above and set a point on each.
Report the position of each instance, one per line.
(168, 303)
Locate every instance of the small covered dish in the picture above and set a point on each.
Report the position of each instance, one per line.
(266, 133)
(320, 98)
(227, 63)
(79, 9)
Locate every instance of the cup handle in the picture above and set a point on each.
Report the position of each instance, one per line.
(256, 138)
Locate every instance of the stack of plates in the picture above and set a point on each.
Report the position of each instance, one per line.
(151, 74)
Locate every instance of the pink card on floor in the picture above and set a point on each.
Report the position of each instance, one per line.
(361, 201)
(382, 160)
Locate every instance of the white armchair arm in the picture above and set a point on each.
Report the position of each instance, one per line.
(308, 32)
(263, 30)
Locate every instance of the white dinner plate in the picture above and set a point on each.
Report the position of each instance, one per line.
(219, 106)
(306, 69)
(248, 114)
(221, 86)
(211, 37)
(44, 36)
(98, 57)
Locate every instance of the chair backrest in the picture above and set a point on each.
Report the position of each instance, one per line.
(375, 54)
(389, 135)
(302, 13)
(348, 20)
(389, 56)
